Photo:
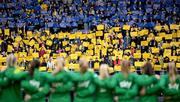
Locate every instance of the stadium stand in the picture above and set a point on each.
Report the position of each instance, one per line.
(106, 31)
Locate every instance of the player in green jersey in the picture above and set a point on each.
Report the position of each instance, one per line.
(171, 84)
(124, 83)
(61, 83)
(84, 85)
(35, 85)
(11, 77)
(103, 92)
(148, 84)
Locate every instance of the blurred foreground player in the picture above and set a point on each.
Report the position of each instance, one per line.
(171, 84)
(35, 85)
(84, 85)
(61, 83)
(148, 84)
(124, 83)
(103, 91)
(11, 92)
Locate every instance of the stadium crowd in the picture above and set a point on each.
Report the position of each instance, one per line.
(107, 31)
(85, 86)
(70, 15)
(114, 38)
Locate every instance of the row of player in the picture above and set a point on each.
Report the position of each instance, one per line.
(86, 86)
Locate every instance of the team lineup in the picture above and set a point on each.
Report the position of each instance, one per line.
(87, 86)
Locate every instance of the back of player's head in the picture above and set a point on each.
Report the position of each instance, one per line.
(172, 71)
(83, 63)
(171, 67)
(34, 64)
(147, 68)
(125, 66)
(11, 61)
(103, 71)
(60, 63)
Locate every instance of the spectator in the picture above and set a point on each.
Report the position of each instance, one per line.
(153, 43)
(91, 63)
(50, 64)
(43, 63)
(117, 61)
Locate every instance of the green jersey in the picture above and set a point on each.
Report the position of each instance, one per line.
(171, 90)
(3, 83)
(62, 86)
(125, 87)
(10, 81)
(151, 85)
(103, 92)
(84, 86)
(36, 86)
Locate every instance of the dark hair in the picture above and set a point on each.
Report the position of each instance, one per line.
(34, 65)
(148, 69)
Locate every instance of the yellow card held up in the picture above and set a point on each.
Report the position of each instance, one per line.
(18, 38)
(96, 66)
(158, 39)
(83, 36)
(74, 56)
(137, 55)
(155, 50)
(158, 27)
(139, 64)
(143, 32)
(100, 27)
(7, 32)
(157, 67)
(32, 42)
(144, 43)
(126, 27)
(116, 29)
(99, 33)
(174, 26)
(168, 36)
(134, 34)
(35, 55)
(85, 44)
(49, 42)
(178, 65)
(146, 55)
(29, 33)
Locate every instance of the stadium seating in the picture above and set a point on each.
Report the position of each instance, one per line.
(112, 30)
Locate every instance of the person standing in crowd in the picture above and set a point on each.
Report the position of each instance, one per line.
(61, 85)
(43, 63)
(11, 92)
(50, 64)
(35, 85)
(153, 43)
(148, 84)
(124, 83)
(171, 84)
(42, 51)
(103, 92)
(84, 85)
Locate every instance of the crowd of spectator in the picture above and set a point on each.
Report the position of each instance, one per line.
(54, 27)
(71, 15)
